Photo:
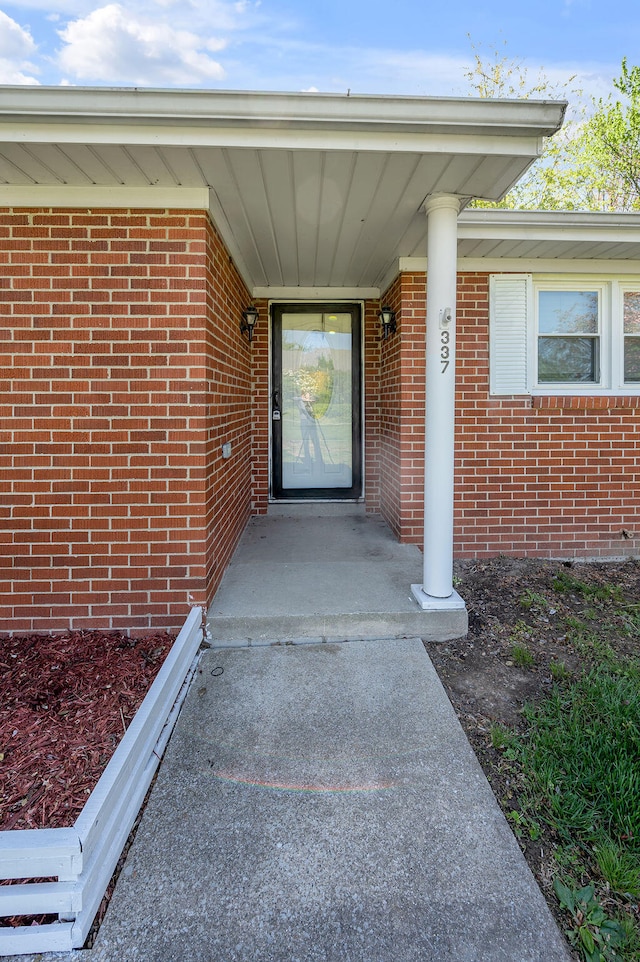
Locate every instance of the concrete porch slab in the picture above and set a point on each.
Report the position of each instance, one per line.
(323, 572)
(322, 804)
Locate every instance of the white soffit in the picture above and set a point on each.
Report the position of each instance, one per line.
(308, 190)
(560, 235)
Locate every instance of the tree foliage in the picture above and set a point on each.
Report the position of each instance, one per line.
(611, 143)
(593, 162)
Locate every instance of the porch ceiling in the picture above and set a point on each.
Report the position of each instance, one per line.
(308, 190)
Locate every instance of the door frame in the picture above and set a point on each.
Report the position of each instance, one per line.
(355, 492)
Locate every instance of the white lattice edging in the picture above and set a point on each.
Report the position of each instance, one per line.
(84, 857)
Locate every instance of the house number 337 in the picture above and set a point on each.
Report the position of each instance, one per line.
(445, 337)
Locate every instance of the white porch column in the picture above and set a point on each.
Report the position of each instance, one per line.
(436, 591)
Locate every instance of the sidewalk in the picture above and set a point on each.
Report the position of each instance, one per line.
(322, 804)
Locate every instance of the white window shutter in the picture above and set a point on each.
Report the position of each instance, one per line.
(510, 300)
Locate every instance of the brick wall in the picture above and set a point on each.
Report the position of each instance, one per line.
(372, 405)
(124, 373)
(261, 409)
(543, 477)
(402, 401)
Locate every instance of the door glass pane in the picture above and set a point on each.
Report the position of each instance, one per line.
(316, 400)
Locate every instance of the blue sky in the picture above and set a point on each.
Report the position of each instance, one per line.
(419, 47)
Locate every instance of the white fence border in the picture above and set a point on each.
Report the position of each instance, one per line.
(83, 858)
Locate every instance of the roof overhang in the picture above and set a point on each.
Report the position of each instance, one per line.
(531, 234)
(546, 242)
(308, 190)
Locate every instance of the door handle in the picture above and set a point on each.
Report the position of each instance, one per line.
(275, 406)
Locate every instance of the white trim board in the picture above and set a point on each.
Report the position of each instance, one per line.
(275, 294)
(94, 197)
(529, 265)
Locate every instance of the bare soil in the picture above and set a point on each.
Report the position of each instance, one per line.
(543, 607)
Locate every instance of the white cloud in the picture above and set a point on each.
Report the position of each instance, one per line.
(112, 45)
(12, 74)
(16, 47)
(15, 41)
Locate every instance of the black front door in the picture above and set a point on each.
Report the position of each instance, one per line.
(315, 401)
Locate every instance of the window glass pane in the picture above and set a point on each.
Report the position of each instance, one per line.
(632, 358)
(631, 312)
(567, 359)
(568, 312)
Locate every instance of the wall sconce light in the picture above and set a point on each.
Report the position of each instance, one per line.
(247, 324)
(388, 321)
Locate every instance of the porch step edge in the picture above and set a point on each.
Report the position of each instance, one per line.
(318, 629)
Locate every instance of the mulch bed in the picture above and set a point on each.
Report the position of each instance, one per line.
(65, 703)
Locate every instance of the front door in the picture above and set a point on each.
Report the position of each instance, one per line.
(315, 401)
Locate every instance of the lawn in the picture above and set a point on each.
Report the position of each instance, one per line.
(547, 687)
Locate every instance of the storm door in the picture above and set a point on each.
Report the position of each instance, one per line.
(315, 401)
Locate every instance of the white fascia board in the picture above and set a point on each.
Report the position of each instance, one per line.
(555, 265)
(550, 232)
(283, 138)
(178, 198)
(544, 218)
(317, 293)
(264, 109)
(529, 265)
(534, 224)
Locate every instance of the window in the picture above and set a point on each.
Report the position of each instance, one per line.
(568, 336)
(631, 324)
(564, 335)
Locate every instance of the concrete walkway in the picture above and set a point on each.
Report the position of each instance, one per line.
(322, 804)
(319, 802)
(318, 572)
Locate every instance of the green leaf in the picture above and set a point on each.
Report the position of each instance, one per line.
(587, 939)
(585, 894)
(597, 915)
(565, 895)
(613, 933)
(595, 956)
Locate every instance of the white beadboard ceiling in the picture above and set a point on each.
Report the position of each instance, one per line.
(308, 190)
(548, 235)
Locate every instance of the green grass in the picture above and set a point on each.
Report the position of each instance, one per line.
(565, 582)
(559, 671)
(583, 753)
(532, 599)
(580, 759)
(619, 868)
(522, 656)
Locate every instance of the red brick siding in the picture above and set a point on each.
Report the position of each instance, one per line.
(372, 399)
(543, 477)
(261, 409)
(402, 401)
(229, 413)
(124, 369)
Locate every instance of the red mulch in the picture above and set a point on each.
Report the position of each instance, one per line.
(65, 702)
